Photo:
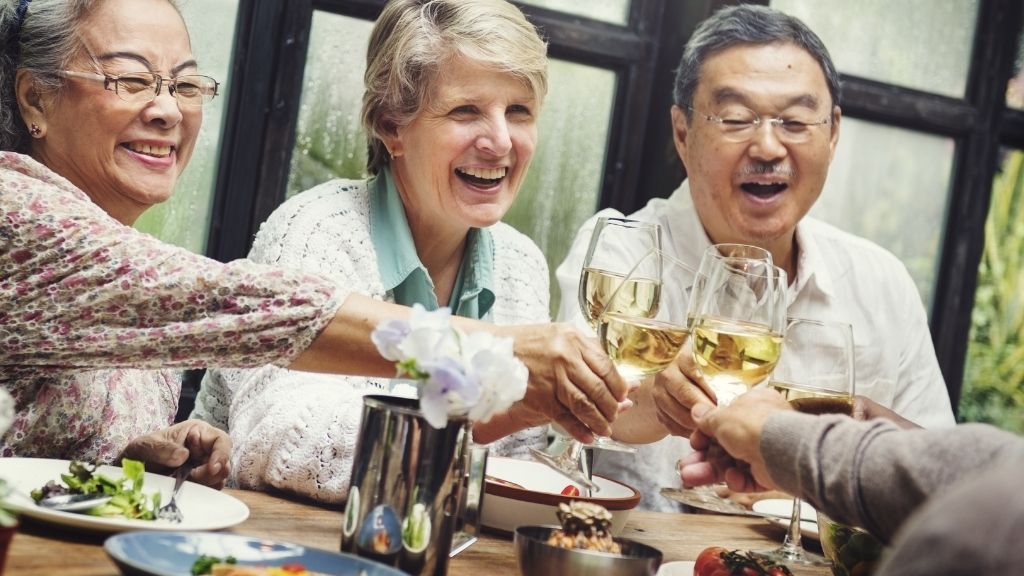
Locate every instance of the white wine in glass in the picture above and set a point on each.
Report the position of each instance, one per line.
(734, 355)
(616, 245)
(737, 318)
(640, 346)
(639, 298)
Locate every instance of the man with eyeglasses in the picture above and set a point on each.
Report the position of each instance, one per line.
(756, 122)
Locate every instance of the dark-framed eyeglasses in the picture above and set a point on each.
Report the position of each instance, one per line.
(187, 89)
(739, 124)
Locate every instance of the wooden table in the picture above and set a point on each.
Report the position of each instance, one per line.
(42, 550)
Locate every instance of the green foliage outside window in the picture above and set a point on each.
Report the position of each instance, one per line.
(994, 377)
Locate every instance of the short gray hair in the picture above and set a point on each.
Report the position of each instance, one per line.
(413, 39)
(47, 40)
(747, 24)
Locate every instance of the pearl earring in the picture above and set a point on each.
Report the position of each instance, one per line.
(35, 130)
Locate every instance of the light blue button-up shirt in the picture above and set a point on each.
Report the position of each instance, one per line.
(402, 272)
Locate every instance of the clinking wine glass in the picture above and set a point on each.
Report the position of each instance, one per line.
(639, 342)
(616, 246)
(643, 344)
(816, 375)
(737, 318)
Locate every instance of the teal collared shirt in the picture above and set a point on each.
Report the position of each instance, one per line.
(402, 272)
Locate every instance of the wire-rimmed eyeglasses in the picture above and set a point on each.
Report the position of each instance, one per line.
(739, 124)
(187, 89)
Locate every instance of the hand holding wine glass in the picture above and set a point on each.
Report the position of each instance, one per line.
(639, 342)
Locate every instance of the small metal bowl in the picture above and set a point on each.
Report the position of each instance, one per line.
(538, 558)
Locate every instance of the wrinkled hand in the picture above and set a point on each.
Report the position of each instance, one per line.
(572, 381)
(727, 442)
(676, 390)
(164, 450)
(865, 408)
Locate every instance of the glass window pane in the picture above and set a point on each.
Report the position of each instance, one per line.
(563, 184)
(184, 219)
(919, 44)
(993, 388)
(329, 141)
(891, 186)
(1015, 91)
(614, 11)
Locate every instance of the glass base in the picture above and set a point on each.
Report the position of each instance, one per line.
(567, 465)
(606, 443)
(787, 554)
(705, 498)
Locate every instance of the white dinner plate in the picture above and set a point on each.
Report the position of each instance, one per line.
(203, 508)
(173, 553)
(677, 568)
(777, 511)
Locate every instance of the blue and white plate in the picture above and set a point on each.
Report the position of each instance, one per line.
(173, 553)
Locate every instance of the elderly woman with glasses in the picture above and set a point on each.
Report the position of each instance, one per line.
(453, 91)
(100, 105)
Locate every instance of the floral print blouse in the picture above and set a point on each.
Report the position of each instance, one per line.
(97, 319)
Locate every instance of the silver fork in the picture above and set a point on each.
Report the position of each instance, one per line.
(170, 511)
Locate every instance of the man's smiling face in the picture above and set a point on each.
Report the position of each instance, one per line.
(755, 191)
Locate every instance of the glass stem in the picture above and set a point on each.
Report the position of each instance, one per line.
(791, 546)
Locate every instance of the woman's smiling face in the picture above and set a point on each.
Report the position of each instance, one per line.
(462, 159)
(126, 156)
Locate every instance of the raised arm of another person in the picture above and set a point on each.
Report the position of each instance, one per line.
(871, 474)
(93, 294)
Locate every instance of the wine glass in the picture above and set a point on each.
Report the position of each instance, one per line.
(639, 340)
(737, 318)
(616, 245)
(816, 375)
(642, 342)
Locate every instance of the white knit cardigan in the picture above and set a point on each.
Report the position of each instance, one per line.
(296, 431)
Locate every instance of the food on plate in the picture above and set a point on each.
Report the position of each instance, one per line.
(127, 499)
(570, 490)
(585, 525)
(718, 561)
(215, 566)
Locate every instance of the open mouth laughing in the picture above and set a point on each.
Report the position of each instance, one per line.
(764, 190)
(482, 177)
(148, 149)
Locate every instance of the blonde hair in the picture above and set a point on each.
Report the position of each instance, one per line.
(413, 39)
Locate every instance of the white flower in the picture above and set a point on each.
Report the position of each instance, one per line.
(459, 375)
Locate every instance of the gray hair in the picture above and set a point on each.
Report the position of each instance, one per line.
(413, 39)
(747, 24)
(48, 40)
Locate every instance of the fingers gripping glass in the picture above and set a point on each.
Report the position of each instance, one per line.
(640, 340)
(188, 89)
(740, 124)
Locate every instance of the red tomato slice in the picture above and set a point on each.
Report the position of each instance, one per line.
(570, 490)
